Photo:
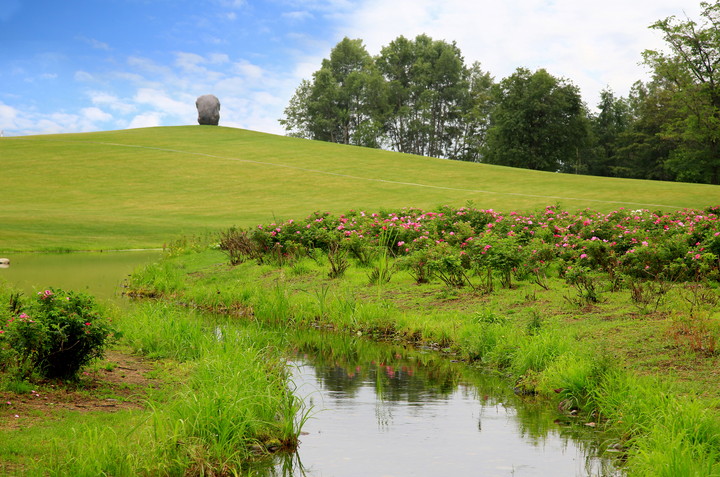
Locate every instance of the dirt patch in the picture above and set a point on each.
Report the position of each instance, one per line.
(121, 382)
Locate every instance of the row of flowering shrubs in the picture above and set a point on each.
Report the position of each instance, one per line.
(453, 244)
(51, 335)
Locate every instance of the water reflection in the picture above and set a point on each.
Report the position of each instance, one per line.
(98, 273)
(388, 411)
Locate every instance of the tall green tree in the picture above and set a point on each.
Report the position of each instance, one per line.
(339, 104)
(644, 148)
(607, 126)
(428, 88)
(691, 68)
(297, 113)
(473, 122)
(537, 122)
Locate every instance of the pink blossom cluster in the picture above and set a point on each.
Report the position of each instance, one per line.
(634, 238)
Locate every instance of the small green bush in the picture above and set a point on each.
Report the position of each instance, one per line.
(54, 336)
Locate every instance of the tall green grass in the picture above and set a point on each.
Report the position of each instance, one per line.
(230, 403)
(659, 429)
(145, 187)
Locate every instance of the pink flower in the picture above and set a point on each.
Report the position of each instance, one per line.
(583, 255)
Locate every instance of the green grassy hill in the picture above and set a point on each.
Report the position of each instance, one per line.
(144, 187)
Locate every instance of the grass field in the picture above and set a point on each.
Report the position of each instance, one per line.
(141, 188)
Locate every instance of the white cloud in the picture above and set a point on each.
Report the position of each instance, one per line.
(96, 44)
(218, 58)
(297, 16)
(165, 104)
(148, 66)
(248, 70)
(145, 120)
(94, 115)
(189, 62)
(83, 76)
(113, 102)
(593, 44)
(127, 77)
(8, 115)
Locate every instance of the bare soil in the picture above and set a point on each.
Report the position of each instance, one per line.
(122, 384)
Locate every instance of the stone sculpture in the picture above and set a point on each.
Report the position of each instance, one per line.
(208, 107)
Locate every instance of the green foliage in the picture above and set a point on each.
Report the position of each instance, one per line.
(343, 102)
(538, 122)
(690, 76)
(585, 283)
(416, 97)
(232, 405)
(383, 271)
(153, 323)
(607, 127)
(157, 278)
(446, 264)
(579, 358)
(55, 335)
(416, 264)
(337, 258)
(456, 246)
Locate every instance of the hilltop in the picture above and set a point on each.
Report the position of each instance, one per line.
(140, 188)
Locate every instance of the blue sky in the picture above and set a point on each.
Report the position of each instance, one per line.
(88, 65)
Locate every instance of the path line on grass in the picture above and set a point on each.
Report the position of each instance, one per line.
(372, 179)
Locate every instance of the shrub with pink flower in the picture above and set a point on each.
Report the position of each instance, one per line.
(681, 245)
(55, 335)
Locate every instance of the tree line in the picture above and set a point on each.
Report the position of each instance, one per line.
(418, 96)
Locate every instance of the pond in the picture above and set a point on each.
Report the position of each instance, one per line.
(384, 410)
(100, 274)
(378, 410)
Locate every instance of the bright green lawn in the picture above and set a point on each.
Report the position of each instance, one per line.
(141, 188)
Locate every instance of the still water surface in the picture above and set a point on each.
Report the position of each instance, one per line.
(406, 417)
(376, 410)
(99, 273)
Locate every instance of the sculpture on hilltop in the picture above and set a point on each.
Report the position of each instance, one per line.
(208, 107)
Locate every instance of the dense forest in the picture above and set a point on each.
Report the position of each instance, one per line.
(418, 96)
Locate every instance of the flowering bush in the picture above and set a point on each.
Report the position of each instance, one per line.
(454, 244)
(55, 335)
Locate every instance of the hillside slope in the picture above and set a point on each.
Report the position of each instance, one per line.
(144, 187)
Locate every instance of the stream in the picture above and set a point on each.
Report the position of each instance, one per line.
(377, 410)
